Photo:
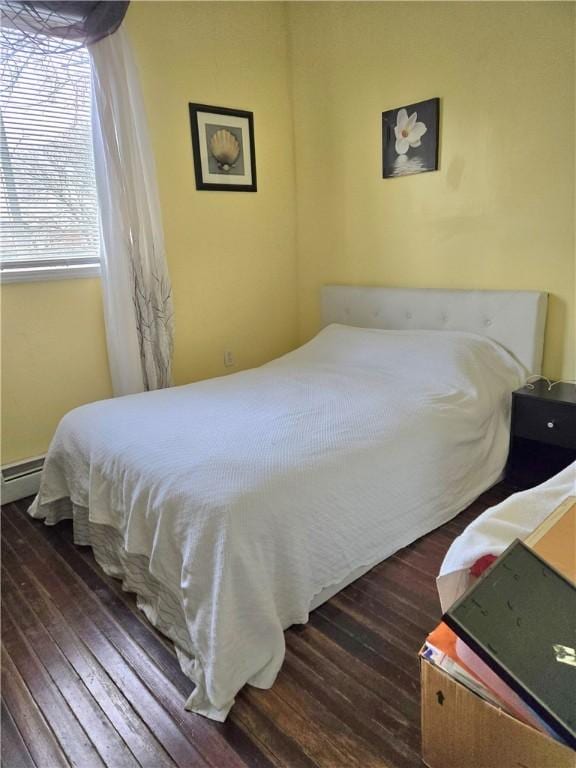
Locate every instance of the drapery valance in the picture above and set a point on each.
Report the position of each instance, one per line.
(73, 23)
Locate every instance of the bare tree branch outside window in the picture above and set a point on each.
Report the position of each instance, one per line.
(48, 201)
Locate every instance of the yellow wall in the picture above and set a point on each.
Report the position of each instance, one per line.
(499, 213)
(231, 255)
(53, 359)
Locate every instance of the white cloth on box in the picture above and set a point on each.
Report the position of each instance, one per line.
(496, 528)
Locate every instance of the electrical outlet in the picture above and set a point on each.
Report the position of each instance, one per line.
(229, 361)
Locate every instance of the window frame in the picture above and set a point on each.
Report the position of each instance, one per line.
(37, 270)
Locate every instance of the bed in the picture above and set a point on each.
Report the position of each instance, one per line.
(233, 507)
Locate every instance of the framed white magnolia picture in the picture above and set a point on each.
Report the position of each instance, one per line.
(410, 139)
(223, 147)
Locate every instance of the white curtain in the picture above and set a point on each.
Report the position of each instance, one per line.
(136, 285)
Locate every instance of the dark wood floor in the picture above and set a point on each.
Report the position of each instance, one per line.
(87, 682)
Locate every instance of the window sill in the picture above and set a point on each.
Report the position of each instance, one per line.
(37, 274)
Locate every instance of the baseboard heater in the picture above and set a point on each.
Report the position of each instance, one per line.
(20, 479)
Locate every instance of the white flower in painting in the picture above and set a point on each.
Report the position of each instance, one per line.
(408, 132)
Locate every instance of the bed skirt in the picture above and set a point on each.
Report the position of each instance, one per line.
(161, 606)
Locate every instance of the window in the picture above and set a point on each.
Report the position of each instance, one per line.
(48, 200)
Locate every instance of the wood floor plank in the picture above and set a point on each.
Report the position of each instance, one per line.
(433, 545)
(31, 723)
(361, 713)
(407, 591)
(111, 638)
(372, 718)
(250, 748)
(292, 686)
(351, 639)
(81, 560)
(287, 751)
(386, 624)
(316, 744)
(119, 713)
(13, 751)
(350, 680)
(410, 571)
(382, 634)
(346, 697)
(91, 717)
(122, 606)
(381, 607)
(149, 693)
(364, 664)
(74, 740)
(426, 564)
(399, 599)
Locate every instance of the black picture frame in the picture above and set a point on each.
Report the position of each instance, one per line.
(406, 150)
(217, 133)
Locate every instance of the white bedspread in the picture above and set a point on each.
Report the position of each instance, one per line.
(496, 528)
(251, 493)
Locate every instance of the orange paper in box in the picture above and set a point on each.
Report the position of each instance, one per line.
(448, 642)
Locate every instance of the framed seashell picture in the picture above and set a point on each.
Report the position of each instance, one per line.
(223, 148)
(410, 139)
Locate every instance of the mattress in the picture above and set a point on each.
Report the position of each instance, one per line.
(231, 506)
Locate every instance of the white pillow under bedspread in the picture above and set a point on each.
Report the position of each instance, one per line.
(251, 493)
(496, 528)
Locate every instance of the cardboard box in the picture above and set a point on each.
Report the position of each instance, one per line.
(555, 538)
(461, 730)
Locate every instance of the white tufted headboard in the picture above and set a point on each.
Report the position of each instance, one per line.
(515, 319)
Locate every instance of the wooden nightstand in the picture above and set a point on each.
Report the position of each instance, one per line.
(542, 433)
